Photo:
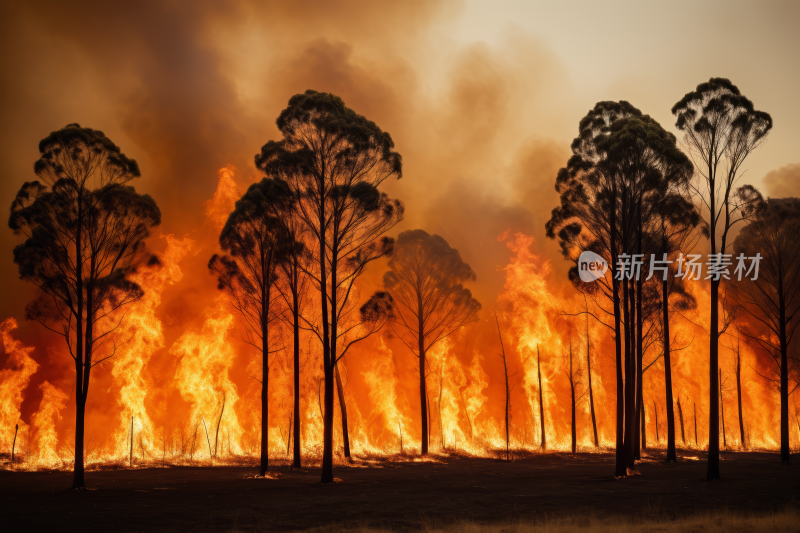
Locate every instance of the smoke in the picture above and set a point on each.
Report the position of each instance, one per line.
(783, 181)
(187, 89)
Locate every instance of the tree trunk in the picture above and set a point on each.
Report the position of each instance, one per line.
(14, 444)
(591, 394)
(439, 404)
(739, 392)
(784, 376)
(343, 408)
(722, 411)
(80, 402)
(327, 364)
(505, 376)
(630, 381)
(638, 384)
(130, 460)
(541, 402)
(80, 416)
(655, 410)
(680, 417)
(695, 424)
(671, 452)
(508, 400)
(296, 458)
(264, 466)
(713, 357)
(621, 459)
(423, 393)
(572, 394)
(642, 419)
(713, 404)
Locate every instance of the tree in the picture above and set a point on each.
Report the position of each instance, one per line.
(85, 232)
(772, 297)
(574, 376)
(293, 287)
(676, 219)
(721, 129)
(543, 437)
(256, 244)
(508, 387)
(333, 161)
(426, 282)
(589, 219)
(589, 372)
(622, 160)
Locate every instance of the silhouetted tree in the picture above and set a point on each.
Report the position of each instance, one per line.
(334, 160)
(676, 219)
(508, 387)
(256, 243)
(589, 219)
(293, 286)
(738, 369)
(574, 376)
(543, 437)
(85, 231)
(721, 129)
(620, 164)
(589, 373)
(426, 281)
(773, 298)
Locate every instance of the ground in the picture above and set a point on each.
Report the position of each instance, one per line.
(397, 495)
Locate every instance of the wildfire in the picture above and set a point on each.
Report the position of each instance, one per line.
(180, 390)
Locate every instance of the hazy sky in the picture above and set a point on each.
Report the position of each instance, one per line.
(481, 98)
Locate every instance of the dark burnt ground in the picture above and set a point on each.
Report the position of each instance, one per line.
(400, 495)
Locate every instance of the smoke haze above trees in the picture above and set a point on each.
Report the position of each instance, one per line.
(192, 90)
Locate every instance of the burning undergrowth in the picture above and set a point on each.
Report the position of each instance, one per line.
(180, 389)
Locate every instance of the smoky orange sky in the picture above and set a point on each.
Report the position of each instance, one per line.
(481, 98)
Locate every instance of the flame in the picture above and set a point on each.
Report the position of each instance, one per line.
(45, 439)
(180, 386)
(14, 379)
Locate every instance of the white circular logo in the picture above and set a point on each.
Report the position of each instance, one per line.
(591, 267)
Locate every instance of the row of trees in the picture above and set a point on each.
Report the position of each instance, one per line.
(629, 189)
(312, 225)
(308, 230)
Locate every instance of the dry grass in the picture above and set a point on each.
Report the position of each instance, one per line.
(725, 521)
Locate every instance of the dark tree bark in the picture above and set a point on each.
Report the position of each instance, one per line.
(620, 469)
(541, 402)
(655, 410)
(296, 454)
(643, 419)
(722, 411)
(680, 417)
(572, 383)
(591, 394)
(343, 409)
(739, 392)
(508, 391)
(672, 455)
(639, 339)
(424, 411)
